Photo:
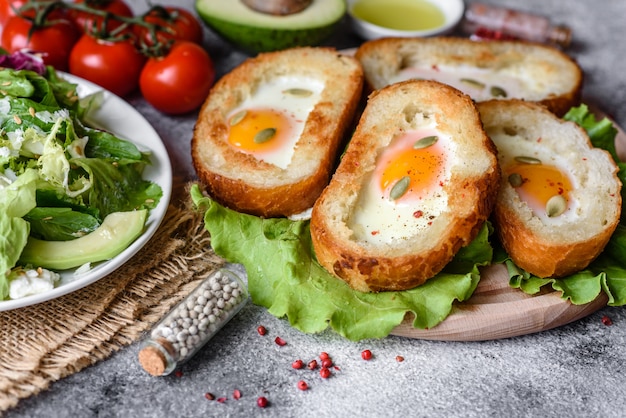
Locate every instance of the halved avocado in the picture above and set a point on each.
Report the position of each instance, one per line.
(259, 32)
(117, 231)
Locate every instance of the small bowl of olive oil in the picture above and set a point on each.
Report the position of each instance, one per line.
(372, 19)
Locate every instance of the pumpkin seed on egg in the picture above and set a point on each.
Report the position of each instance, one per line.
(524, 159)
(515, 179)
(425, 142)
(400, 188)
(264, 135)
(556, 205)
(238, 117)
(497, 91)
(473, 83)
(298, 92)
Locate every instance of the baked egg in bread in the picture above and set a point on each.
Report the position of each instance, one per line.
(482, 69)
(267, 137)
(416, 183)
(559, 200)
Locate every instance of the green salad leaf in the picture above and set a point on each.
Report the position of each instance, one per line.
(284, 277)
(608, 272)
(59, 177)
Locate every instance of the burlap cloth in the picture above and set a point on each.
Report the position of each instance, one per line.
(42, 343)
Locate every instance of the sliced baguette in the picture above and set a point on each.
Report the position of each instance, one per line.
(551, 246)
(522, 70)
(247, 184)
(431, 233)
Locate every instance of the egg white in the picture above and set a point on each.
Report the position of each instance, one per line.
(378, 220)
(272, 94)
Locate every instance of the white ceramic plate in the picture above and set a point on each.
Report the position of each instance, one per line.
(119, 117)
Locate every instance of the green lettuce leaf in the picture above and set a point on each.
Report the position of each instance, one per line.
(284, 277)
(608, 272)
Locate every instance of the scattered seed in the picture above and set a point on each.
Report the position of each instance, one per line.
(298, 92)
(425, 142)
(400, 188)
(302, 385)
(366, 354)
(261, 330)
(261, 401)
(238, 117)
(280, 341)
(515, 179)
(473, 83)
(527, 160)
(498, 91)
(325, 372)
(209, 396)
(556, 205)
(264, 135)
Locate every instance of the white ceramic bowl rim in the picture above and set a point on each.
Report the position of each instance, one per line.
(452, 9)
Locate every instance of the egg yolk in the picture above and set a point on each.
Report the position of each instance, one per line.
(409, 173)
(538, 183)
(258, 131)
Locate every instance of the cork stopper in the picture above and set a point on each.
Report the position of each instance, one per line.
(561, 35)
(154, 357)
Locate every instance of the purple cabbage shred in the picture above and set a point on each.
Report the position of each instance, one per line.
(23, 60)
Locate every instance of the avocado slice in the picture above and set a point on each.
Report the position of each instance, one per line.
(260, 32)
(117, 231)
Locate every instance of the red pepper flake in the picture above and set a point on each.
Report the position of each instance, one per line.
(399, 359)
(236, 394)
(607, 321)
(312, 364)
(302, 385)
(209, 396)
(221, 400)
(297, 364)
(325, 372)
(178, 373)
(261, 401)
(261, 330)
(280, 341)
(366, 354)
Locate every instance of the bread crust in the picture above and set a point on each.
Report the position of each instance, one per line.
(246, 184)
(562, 247)
(406, 264)
(553, 78)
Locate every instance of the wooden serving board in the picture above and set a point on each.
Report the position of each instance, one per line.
(496, 310)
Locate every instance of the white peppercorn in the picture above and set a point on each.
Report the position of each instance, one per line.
(193, 322)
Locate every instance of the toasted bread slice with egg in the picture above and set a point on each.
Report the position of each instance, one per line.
(416, 183)
(559, 201)
(482, 69)
(267, 137)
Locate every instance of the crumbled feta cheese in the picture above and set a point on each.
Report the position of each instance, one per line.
(31, 281)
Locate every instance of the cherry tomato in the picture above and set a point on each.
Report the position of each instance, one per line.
(116, 66)
(180, 81)
(176, 24)
(54, 40)
(87, 21)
